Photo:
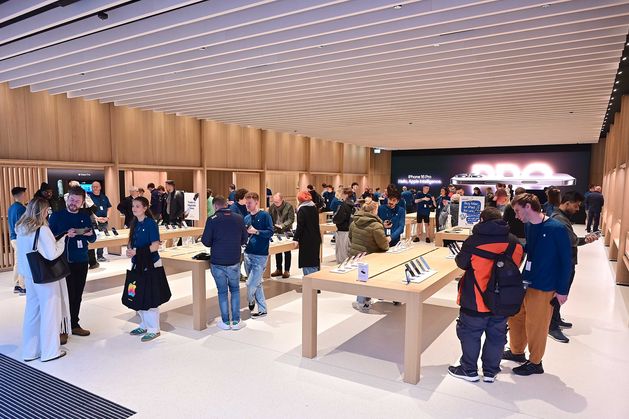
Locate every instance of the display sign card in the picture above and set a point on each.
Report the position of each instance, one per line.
(470, 209)
(191, 202)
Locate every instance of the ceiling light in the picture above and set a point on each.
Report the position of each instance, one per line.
(620, 72)
(377, 151)
(397, 6)
(102, 15)
(203, 48)
(546, 5)
(624, 58)
(617, 82)
(436, 45)
(615, 90)
(82, 74)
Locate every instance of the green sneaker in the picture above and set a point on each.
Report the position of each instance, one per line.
(238, 325)
(149, 337)
(137, 331)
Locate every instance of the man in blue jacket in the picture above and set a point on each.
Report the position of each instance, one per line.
(16, 210)
(547, 272)
(260, 228)
(225, 234)
(78, 225)
(393, 216)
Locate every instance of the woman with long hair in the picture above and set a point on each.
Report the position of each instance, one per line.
(45, 303)
(144, 238)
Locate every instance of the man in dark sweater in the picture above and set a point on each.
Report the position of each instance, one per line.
(570, 204)
(547, 272)
(78, 226)
(595, 202)
(260, 228)
(225, 233)
(516, 227)
(475, 318)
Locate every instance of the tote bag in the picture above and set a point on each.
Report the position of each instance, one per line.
(43, 270)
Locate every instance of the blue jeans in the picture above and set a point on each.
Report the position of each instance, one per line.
(228, 278)
(469, 329)
(254, 266)
(310, 270)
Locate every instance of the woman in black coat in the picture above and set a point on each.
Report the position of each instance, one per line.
(308, 234)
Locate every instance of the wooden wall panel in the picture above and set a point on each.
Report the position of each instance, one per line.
(250, 181)
(285, 182)
(147, 138)
(286, 151)
(325, 156)
(183, 180)
(28, 177)
(597, 162)
(231, 146)
(218, 181)
(355, 159)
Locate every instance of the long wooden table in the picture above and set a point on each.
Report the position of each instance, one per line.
(386, 272)
(455, 233)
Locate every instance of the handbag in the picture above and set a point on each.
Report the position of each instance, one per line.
(43, 270)
(146, 286)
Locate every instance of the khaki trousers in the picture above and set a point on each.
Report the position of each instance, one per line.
(530, 325)
(18, 280)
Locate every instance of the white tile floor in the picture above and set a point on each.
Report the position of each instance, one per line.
(258, 371)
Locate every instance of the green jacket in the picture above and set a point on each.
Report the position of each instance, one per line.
(366, 234)
(284, 215)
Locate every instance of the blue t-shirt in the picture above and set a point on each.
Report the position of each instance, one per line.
(62, 221)
(102, 204)
(145, 233)
(15, 212)
(397, 216)
(259, 243)
(423, 207)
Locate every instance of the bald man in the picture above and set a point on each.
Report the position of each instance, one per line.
(283, 216)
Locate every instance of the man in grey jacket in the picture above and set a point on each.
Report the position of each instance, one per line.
(283, 216)
(570, 203)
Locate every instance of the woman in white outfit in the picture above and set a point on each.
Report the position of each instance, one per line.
(43, 316)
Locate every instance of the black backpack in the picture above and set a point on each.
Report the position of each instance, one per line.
(505, 288)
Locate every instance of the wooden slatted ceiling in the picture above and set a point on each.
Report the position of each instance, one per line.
(422, 74)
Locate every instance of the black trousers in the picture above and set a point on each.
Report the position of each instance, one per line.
(469, 330)
(556, 318)
(76, 285)
(278, 261)
(593, 220)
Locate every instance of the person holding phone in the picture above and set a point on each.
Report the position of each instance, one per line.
(78, 226)
(393, 216)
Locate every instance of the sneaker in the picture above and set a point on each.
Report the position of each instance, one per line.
(252, 305)
(510, 356)
(102, 259)
(238, 325)
(138, 331)
(286, 274)
(558, 336)
(222, 325)
(22, 291)
(79, 331)
(529, 368)
(17, 289)
(150, 336)
(258, 315)
(277, 272)
(427, 239)
(95, 266)
(565, 325)
(363, 308)
(416, 239)
(489, 378)
(459, 372)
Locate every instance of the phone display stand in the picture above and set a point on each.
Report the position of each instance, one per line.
(416, 279)
(402, 246)
(455, 248)
(348, 265)
(417, 270)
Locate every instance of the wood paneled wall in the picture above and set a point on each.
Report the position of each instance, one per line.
(355, 159)
(615, 217)
(231, 146)
(325, 156)
(28, 177)
(287, 152)
(285, 182)
(219, 180)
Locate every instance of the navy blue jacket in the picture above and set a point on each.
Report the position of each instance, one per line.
(239, 209)
(259, 243)
(397, 216)
(225, 233)
(594, 202)
(62, 221)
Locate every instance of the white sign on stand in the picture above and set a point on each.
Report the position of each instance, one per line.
(470, 208)
(191, 203)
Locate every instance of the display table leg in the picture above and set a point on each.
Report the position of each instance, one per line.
(309, 320)
(199, 311)
(413, 340)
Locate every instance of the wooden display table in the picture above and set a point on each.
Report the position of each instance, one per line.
(123, 236)
(386, 272)
(325, 217)
(325, 228)
(455, 233)
(411, 219)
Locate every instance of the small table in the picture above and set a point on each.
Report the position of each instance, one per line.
(325, 217)
(275, 247)
(455, 233)
(386, 271)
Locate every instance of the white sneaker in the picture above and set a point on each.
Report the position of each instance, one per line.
(364, 308)
(238, 325)
(221, 325)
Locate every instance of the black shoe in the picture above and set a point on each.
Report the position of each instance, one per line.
(565, 325)
(19, 290)
(427, 239)
(459, 372)
(510, 356)
(252, 305)
(416, 239)
(258, 315)
(94, 266)
(588, 231)
(558, 336)
(529, 369)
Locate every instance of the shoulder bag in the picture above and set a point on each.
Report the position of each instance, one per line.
(44, 270)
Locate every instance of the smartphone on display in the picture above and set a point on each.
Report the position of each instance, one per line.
(113, 230)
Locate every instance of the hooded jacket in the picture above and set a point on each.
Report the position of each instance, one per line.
(366, 234)
(492, 236)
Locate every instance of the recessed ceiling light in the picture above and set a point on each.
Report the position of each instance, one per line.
(436, 45)
(615, 90)
(612, 98)
(82, 74)
(620, 72)
(397, 6)
(203, 48)
(546, 5)
(617, 82)
(624, 58)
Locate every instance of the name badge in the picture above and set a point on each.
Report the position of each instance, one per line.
(79, 244)
(101, 208)
(528, 265)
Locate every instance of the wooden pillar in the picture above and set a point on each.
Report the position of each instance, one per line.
(199, 185)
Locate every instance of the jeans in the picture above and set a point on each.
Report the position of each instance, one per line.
(254, 266)
(278, 261)
(310, 269)
(227, 278)
(469, 329)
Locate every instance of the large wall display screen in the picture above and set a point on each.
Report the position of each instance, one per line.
(533, 168)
